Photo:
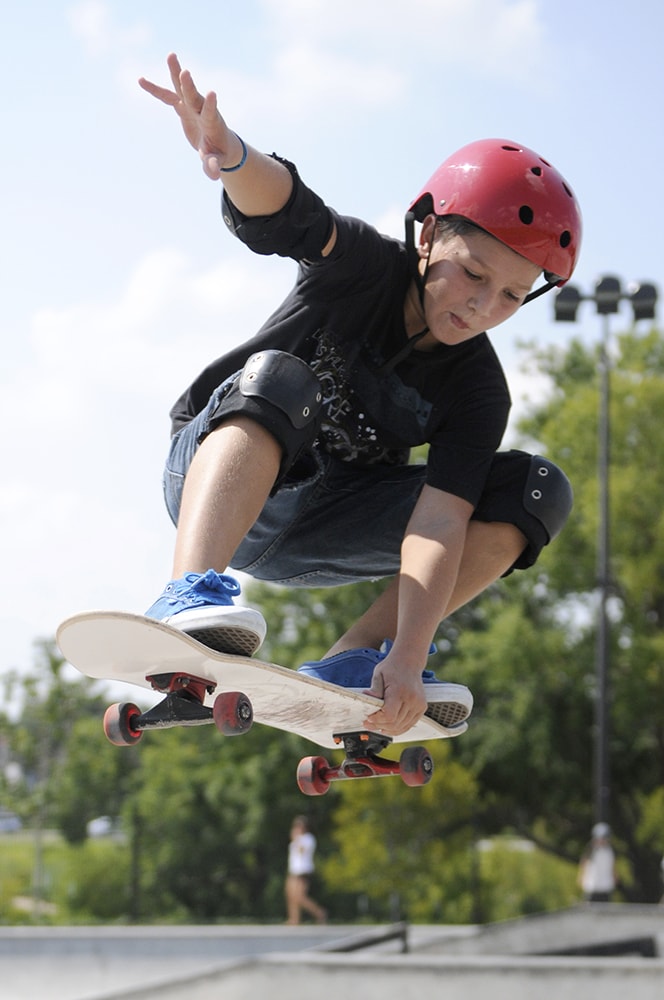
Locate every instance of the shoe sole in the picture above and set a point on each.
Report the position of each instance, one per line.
(226, 639)
(241, 633)
(449, 714)
(447, 704)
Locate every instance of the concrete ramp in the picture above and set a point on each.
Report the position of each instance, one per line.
(600, 929)
(535, 958)
(281, 977)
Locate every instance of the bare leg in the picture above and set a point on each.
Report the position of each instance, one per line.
(292, 899)
(298, 899)
(490, 549)
(226, 486)
(308, 904)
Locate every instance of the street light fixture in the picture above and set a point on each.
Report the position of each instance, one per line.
(607, 296)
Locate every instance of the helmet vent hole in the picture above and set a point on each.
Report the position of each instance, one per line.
(511, 149)
(537, 171)
(567, 191)
(565, 238)
(526, 214)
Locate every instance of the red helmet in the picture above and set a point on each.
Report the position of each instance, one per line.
(514, 194)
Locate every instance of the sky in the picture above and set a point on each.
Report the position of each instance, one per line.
(119, 282)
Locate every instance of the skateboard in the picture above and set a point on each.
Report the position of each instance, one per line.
(201, 686)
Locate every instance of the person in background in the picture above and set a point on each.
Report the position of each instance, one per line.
(301, 852)
(597, 870)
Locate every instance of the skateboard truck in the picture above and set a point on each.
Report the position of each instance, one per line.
(184, 705)
(362, 760)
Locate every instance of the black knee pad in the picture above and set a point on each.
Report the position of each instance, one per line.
(548, 495)
(529, 492)
(281, 393)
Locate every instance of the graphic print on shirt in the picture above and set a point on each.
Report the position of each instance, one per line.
(348, 431)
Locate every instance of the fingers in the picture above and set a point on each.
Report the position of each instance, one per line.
(203, 126)
(170, 97)
(184, 90)
(189, 93)
(161, 93)
(392, 723)
(404, 701)
(175, 70)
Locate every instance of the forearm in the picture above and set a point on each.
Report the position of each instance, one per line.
(430, 558)
(261, 186)
(428, 574)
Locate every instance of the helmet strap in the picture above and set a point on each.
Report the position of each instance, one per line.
(413, 256)
(552, 281)
(388, 366)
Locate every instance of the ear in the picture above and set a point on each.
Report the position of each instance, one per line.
(426, 236)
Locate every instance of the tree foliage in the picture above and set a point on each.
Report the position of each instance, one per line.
(415, 845)
(206, 818)
(212, 816)
(556, 604)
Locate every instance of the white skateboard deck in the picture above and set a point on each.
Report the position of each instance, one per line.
(118, 646)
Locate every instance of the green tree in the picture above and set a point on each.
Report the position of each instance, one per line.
(49, 703)
(213, 815)
(532, 666)
(207, 817)
(405, 847)
(91, 779)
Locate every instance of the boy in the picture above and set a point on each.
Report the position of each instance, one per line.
(289, 456)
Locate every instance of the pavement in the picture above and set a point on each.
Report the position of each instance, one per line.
(601, 952)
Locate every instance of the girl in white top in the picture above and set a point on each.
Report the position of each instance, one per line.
(301, 852)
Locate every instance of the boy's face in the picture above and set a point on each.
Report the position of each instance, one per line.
(474, 283)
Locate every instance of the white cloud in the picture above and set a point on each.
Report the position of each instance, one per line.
(299, 81)
(93, 23)
(169, 313)
(81, 500)
(310, 77)
(315, 57)
(485, 37)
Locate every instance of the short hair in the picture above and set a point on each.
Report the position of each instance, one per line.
(457, 225)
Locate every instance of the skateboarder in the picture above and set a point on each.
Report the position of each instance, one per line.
(289, 456)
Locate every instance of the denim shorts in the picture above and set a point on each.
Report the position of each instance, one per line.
(331, 522)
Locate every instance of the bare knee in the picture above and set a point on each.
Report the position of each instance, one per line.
(497, 542)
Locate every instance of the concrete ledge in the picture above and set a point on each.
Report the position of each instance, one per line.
(587, 927)
(513, 960)
(86, 963)
(211, 942)
(410, 978)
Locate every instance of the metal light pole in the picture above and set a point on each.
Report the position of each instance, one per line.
(607, 296)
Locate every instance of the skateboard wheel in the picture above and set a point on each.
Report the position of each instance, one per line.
(118, 725)
(311, 777)
(232, 713)
(416, 766)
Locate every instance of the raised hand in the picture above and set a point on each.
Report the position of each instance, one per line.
(205, 129)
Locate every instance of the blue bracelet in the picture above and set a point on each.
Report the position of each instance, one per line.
(230, 170)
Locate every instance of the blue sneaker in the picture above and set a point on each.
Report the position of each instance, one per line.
(201, 604)
(448, 704)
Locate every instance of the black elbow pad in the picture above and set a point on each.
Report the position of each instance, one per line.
(300, 230)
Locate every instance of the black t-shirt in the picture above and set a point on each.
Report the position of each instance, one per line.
(345, 318)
